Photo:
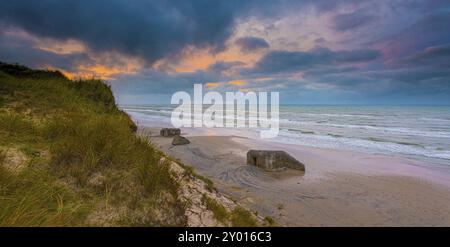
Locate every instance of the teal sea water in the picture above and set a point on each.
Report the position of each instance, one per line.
(417, 132)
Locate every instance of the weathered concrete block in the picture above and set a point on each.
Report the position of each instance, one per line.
(167, 132)
(180, 140)
(273, 160)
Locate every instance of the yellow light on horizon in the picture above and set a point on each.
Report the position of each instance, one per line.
(237, 83)
(212, 84)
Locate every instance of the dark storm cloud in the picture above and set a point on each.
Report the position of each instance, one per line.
(162, 82)
(288, 61)
(14, 49)
(436, 56)
(398, 81)
(149, 29)
(416, 75)
(412, 35)
(222, 66)
(249, 44)
(429, 30)
(345, 22)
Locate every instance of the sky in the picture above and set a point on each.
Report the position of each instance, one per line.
(312, 51)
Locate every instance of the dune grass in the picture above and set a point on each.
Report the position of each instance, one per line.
(2, 156)
(220, 213)
(84, 163)
(190, 172)
(32, 198)
(239, 217)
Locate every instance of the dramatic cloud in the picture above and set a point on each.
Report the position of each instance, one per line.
(250, 44)
(435, 56)
(350, 21)
(149, 29)
(18, 48)
(429, 30)
(312, 51)
(285, 61)
(221, 66)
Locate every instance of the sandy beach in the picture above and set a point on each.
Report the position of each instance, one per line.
(339, 188)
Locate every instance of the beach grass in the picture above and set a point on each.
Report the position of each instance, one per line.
(238, 217)
(220, 213)
(241, 217)
(269, 221)
(69, 156)
(2, 156)
(190, 172)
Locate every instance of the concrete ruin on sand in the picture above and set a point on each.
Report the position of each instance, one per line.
(273, 160)
(168, 132)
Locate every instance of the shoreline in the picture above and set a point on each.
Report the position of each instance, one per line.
(322, 128)
(339, 188)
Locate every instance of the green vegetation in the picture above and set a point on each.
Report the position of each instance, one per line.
(239, 217)
(2, 103)
(219, 211)
(190, 172)
(2, 157)
(74, 158)
(33, 198)
(269, 221)
(242, 217)
(280, 206)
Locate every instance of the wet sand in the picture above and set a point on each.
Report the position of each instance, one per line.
(339, 188)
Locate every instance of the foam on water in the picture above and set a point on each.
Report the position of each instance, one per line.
(414, 132)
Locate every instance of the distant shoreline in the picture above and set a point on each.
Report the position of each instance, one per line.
(415, 133)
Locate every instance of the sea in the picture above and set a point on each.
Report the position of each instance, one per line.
(415, 132)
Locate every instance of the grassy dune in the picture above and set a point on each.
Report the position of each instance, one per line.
(69, 156)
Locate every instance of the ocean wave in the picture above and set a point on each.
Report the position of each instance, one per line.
(435, 119)
(422, 136)
(375, 139)
(400, 130)
(339, 115)
(383, 146)
(302, 131)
